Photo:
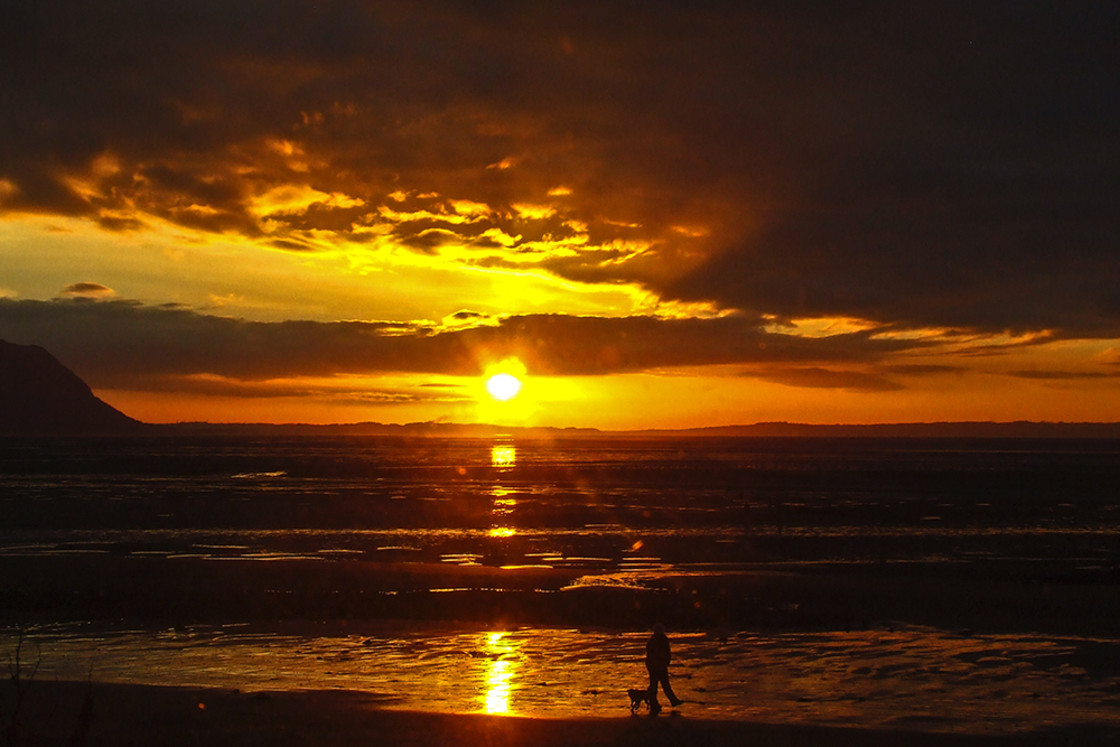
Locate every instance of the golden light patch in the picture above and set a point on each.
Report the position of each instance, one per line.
(298, 198)
(821, 326)
(503, 456)
(471, 208)
(529, 211)
(693, 232)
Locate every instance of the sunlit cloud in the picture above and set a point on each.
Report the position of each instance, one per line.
(533, 212)
(297, 199)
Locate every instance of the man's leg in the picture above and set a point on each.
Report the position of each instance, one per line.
(664, 679)
(654, 678)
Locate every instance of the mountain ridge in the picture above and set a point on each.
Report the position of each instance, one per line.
(41, 396)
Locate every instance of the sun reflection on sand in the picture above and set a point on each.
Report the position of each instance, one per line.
(502, 664)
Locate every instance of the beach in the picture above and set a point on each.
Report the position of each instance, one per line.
(135, 715)
(976, 658)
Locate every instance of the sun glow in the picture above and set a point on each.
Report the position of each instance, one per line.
(503, 386)
(505, 396)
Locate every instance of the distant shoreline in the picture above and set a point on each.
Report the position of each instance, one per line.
(962, 430)
(948, 430)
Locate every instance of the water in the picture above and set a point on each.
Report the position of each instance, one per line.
(897, 678)
(562, 503)
(937, 583)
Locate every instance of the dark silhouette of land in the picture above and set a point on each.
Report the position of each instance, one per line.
(40, 396)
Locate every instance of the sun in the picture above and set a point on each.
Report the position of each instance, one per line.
(503, 394)
(503, 386)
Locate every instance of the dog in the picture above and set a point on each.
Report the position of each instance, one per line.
(637, 697)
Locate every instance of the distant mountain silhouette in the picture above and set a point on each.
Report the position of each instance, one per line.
(40, 396)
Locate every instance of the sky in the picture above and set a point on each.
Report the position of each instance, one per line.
(654, 214)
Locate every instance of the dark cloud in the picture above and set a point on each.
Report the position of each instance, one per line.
(291, 245)
(1064, 375)
(817, 377)
(335, 391)
(125, 344)
(118, 224)
(921, 164)
(921, 369)
(87, 290)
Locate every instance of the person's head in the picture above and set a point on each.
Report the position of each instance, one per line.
(659, 629)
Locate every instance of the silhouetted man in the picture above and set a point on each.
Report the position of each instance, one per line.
(657, 664)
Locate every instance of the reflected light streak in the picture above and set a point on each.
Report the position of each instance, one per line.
(504, 503)
(503, 506)
(499, 673)
(503, 456)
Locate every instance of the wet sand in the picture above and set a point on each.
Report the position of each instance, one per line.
(138, 715)
(984, 649)
(994, 596)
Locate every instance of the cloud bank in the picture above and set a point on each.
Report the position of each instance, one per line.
(945, 165)
(127, 344)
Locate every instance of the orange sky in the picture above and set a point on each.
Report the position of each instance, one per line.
(704, 215)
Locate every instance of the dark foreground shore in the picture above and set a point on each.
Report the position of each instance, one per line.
(69, 713)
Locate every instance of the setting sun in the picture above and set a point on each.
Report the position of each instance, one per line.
(503, 386)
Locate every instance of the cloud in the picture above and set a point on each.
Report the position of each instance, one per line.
(825, 378)
(87, 290)
(1063, 375)
(1110, 356)
(921, 369)
(907, 164)
(336, 389)
(126, 344)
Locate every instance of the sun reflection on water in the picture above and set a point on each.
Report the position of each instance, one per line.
(503, 502)
(503, 455)
(503, 505)
(502, 664)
